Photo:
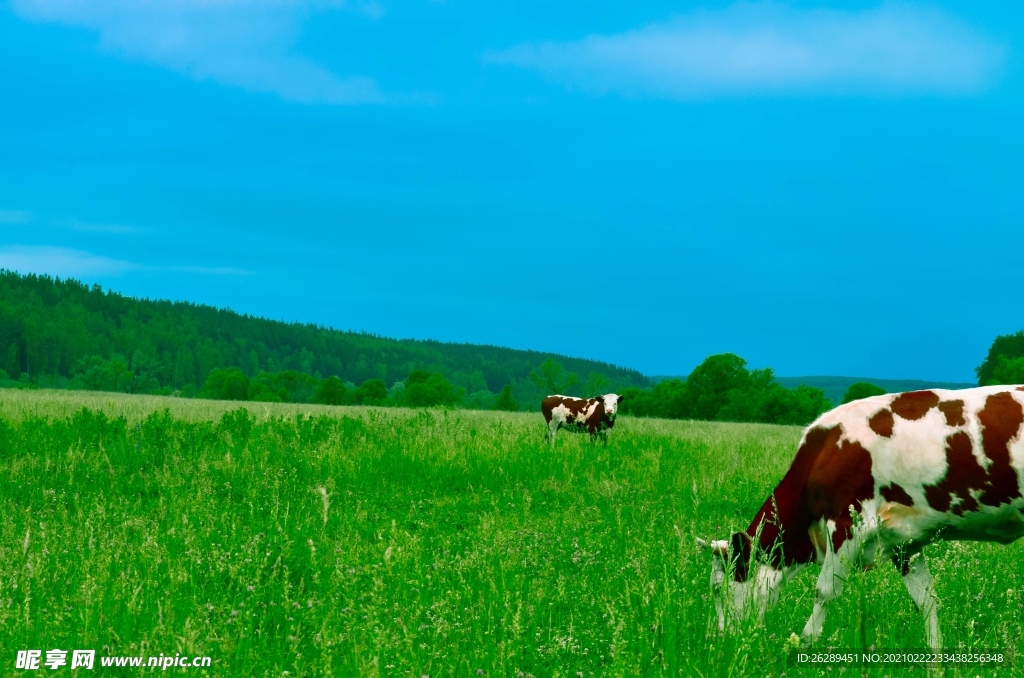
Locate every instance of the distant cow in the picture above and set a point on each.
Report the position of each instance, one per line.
(593, 415)
(882, 477)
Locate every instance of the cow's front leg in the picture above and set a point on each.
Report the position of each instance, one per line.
(830, 585)
(918, 580)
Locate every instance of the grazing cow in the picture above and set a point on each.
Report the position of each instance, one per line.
(594, 415)
(882, 477)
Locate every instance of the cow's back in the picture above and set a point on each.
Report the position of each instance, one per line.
(938, 457)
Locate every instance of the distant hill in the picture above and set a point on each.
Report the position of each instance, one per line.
(835, 387)
(54, 331)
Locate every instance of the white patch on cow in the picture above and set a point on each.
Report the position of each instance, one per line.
(611, 403)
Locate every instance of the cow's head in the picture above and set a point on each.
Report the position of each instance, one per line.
(737, 589)
(611, 403)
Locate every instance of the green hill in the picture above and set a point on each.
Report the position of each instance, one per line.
(53, 332)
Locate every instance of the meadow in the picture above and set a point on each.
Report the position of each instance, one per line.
(304, 540)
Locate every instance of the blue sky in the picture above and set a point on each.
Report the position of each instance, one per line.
(820, 189)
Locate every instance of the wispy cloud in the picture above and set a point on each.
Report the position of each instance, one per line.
(65, 262)
(208, 270)
(244, 43)
(765, 48)
(15, 217)
(109, 229)
(60, 261)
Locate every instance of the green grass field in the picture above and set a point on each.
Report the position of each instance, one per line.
(318, 541)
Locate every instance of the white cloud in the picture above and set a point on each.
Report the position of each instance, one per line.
(244, 43)
(15, 217)
(766, 48)
(60, 261)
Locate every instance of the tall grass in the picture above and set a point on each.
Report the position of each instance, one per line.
(369, 542)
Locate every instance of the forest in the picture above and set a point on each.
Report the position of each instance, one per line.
(64, 334)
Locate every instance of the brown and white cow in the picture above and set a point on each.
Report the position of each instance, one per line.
(593, 415)
(882, 477)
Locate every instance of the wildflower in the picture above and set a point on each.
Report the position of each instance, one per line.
(793, 642)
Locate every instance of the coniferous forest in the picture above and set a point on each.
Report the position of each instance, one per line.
(65, 334)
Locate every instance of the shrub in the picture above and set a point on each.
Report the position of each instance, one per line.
(426, 389)
(331, 391)
(371, 392)
(229, 384)
(96, 374)
(504, 400)
(862, 389)
(480, 400)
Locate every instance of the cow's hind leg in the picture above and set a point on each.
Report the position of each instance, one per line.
(918, 580)
(830, 585)
(552, 430)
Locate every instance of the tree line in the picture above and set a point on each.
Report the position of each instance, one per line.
(64, 334)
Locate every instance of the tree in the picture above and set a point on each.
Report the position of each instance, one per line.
(722, 388)
(229, 384)
(1007, 371)
(144, 369)
(1009, 346)
(13, 364)
(710, 382)
(597, 384)
(184, 369)
(372, 392)
(427, 389)
(96, 374)
(331, 391)
(552, 377)
(669, 399)
(480, 400)
(504, 400)
(862, 389)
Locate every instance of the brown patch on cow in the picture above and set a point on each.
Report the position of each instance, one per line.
(827, 476)
(574, 405)
(895, 493)
(954, 411)
(1020, 388)
(963, 474)
(1000, 420)
(914, 405)
(881, 422)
